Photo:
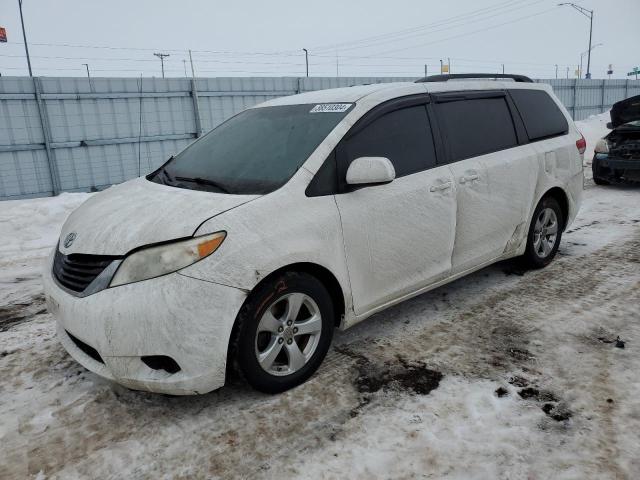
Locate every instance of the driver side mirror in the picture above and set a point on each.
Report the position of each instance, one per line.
(610, 125)
(370, 171)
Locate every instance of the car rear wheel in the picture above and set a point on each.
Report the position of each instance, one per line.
(283, 332)
(545, 233)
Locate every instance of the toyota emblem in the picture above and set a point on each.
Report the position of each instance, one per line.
(68, 240)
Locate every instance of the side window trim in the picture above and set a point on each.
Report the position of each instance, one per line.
(384, 108)
(521, 132)
(442, 154)
(472, 95)
(372, 115)
(519, 115)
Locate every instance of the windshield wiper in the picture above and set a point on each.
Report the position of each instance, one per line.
(164, 177)
(203, 181)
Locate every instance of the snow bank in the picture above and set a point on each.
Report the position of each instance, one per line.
(593, 129)
(30, 228)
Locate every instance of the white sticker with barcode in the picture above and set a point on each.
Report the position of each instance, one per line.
(330, 108)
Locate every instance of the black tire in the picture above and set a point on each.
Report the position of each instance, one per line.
(600, 181)
(531, 257)
(595, 168)
(266, 296)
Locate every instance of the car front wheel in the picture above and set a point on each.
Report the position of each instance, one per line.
(283, 332)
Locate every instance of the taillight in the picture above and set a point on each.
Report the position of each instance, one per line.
(581, 144)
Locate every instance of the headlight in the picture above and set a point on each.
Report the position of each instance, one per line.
(159, 260)
(602, 146)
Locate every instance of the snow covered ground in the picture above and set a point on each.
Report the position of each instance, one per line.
(503, 374)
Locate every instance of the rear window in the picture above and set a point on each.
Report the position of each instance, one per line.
(476, 126)
(541, 116)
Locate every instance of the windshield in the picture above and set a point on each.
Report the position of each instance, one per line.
(255, 152)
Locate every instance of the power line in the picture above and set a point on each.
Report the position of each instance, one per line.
(461, 23)
(470, 33)
(412, 29)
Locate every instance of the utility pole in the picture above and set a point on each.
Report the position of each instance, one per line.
(162, 56)
(448, 65)
(567, 72)
(588, 75)
(306, 59)
(194, 95)
(184, 64)
(503, 68)
(24, 35)
(88, 77)
(440, 66)
(589, 14)
(426, 74)
(556, 70)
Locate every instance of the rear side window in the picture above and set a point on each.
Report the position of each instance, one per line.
(476, 126)
(403, 136)
(541, 116)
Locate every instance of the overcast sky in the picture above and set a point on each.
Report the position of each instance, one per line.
(363, 37)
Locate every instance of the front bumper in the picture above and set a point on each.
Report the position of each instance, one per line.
(176, 316)
(613, 168)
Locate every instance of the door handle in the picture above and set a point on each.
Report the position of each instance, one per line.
(440, 187)
(469, 178)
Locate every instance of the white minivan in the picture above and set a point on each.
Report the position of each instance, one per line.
(307, 213)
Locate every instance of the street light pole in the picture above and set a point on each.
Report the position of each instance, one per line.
(589, 56)
(306, 59)
(589, 15)
(162, 56)
(87, 67)
(24, 35)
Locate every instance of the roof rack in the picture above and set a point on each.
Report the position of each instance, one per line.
(457, 76)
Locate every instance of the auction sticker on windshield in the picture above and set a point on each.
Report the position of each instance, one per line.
(330, 108)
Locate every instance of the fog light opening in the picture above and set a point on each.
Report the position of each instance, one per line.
(161, 362)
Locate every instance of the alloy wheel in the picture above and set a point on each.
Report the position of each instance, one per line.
(288, 334)
(545, 232)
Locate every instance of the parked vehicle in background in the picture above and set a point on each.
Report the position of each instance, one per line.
(617, 156)
(304, 214)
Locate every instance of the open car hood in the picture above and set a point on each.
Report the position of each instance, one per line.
(138, 213)
(625, 111)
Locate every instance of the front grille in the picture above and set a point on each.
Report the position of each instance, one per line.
(78, 270)
(87, 349)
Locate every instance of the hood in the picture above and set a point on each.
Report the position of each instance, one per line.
(140, 212)
(625, 111)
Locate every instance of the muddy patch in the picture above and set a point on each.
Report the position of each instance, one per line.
(16, 313)
(398, 375)
(402, 376)
(559, 413)
(502, 392)
(552, 406)
(538, 395)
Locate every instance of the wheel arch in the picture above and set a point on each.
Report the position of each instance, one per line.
(561, 197)
(323, 274)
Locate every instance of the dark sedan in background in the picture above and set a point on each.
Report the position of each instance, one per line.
(617, 156)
